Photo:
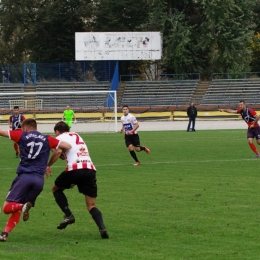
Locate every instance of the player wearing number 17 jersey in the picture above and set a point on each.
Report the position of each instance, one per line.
(34, 151)
(129, 127)
(80, 171)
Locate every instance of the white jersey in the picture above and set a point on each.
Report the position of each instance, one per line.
(128, 122)
(78, 156)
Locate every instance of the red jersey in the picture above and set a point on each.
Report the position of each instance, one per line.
(248, 115)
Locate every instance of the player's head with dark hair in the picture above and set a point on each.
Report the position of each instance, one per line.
(16, 110)
(242, 105)
(61, 127)
(125, 110)
(29, 124)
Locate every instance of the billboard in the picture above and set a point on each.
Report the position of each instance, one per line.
(118, 46)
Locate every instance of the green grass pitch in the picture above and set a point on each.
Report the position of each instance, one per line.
(196, 196)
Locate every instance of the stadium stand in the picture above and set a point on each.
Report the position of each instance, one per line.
(229, 92)
(93, 101)
(75, 87)
(170, 93)
(8, 89)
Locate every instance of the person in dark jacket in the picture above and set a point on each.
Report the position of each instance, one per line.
(192, 114)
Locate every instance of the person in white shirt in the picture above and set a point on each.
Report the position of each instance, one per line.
(80, 171)
(132, 140)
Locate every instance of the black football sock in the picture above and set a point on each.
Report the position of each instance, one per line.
(97, 216)
(142, 148)
(62, 201)
(133, 154)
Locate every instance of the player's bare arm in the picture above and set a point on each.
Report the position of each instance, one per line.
(122, 129)
(136, 126)
(4, 133)
(56, 155)
(64, 146)
(232, 111)
(255, 121)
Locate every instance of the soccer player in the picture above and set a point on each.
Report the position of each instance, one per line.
(129, 126)
(80, 171)
(68, 115)
(15, 123)
(251, 118)
(34, 150)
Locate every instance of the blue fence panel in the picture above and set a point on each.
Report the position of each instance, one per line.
(12, 73)
(59, 73)
(114, 86)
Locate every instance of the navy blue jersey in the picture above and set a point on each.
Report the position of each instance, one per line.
(16, 120)
(34, 150)
(248, 115)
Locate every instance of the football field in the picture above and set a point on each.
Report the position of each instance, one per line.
(196, 196)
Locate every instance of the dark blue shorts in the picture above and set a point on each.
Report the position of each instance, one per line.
(253, 132)
(25, 187)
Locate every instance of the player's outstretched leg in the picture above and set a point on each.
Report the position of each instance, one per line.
(144, 148)
(97, 216)
(147, 150)
(3, 236)
(62, 202)
(66, 221)
(25, 210)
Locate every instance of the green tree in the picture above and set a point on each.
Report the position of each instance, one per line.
(52, 36)
(204, 36)
(225, 32)
(41, 31)
(119, 16)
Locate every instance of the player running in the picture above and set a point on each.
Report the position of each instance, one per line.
(129, 126)
(251, 117)
(35, 148)
(80, 171)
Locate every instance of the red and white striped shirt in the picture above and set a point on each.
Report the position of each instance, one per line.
(78, 156)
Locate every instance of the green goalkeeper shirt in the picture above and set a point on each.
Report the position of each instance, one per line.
(68, 114)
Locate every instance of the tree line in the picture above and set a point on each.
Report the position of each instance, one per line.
(199, 36)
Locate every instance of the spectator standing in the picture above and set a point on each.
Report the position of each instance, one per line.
(192, 114)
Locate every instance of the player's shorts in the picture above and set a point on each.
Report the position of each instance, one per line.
(25, 187)
(69, 123)
(253, 132)
(85, 179)
(132, 139)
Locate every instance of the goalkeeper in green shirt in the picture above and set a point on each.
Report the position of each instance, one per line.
(68, 116)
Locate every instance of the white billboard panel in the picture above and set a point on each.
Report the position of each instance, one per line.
(118, 46)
